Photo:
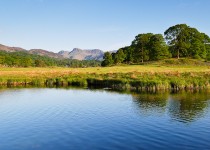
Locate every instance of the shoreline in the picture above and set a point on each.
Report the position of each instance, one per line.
(148, 78)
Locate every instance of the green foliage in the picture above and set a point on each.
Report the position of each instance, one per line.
(207, 46)
(108, 61)
(180, 41)
(185, 41)
(119, 56)
(128, 54)
(23, 59)
(208, 52)
(39, 63)
(141, 47)
(145, 47)
(158, 49)
(176, 38)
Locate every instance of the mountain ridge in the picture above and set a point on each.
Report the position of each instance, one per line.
(84, 54)
(76, 53)
(11, 49)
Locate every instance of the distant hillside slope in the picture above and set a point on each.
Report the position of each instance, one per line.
(11, 49)
(76, 53)
(42, 52)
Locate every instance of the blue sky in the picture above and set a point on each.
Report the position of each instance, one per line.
(104, 24)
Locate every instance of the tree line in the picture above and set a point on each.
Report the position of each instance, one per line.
(179, 41)
(23, 59)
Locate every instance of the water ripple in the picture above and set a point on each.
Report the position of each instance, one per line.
(83, 119)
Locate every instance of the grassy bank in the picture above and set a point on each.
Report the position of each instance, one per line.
(135, 77)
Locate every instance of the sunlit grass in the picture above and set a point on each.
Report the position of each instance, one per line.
(138, 76)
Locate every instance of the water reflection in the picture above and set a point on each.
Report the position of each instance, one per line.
(101, 119)
(183, 106)
(150, 103)
(188, 106)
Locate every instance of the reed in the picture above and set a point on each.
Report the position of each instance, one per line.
(134, 77)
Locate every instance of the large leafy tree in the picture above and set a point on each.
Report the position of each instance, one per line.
(158, 49)
(208, 51)
(185, 41)
(177, 37)
(129, 54)
(197, 44)
(119, 56)
(206, 40)
(141, 47)
(107, 59)
(180, 41)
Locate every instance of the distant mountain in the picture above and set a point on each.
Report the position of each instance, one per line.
(42, 52)
(63, 53)
(76, 53)
(10, 49)
(79, 54)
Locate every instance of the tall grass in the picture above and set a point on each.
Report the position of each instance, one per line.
(136, 77)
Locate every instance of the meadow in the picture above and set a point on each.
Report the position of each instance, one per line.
(137, 77)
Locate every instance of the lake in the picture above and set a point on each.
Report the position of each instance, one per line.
(56, 118)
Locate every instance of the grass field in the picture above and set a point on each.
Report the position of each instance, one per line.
(51, 72)
(151, 76)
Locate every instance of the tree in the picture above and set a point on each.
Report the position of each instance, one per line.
(197, 50)
(185, 41)
(119, 56)
(27, 62)
(208, 52)
(2, 59)
(107, 59)
(206, 41)
(39, 63)
(176, 37)
(158, 49)
(129, 54)
(140, 45)
(197, 42)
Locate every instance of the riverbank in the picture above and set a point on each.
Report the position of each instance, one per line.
(135, 77)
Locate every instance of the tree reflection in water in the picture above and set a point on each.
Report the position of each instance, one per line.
(182, 106)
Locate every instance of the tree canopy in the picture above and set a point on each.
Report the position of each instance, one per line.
(141, 47)
(178, 41)
(185, 41)
(107, 59)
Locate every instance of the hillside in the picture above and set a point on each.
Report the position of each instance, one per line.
(11, 49)
(76, 53)
(42, 52)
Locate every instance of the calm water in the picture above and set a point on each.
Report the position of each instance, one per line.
(88, 119)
